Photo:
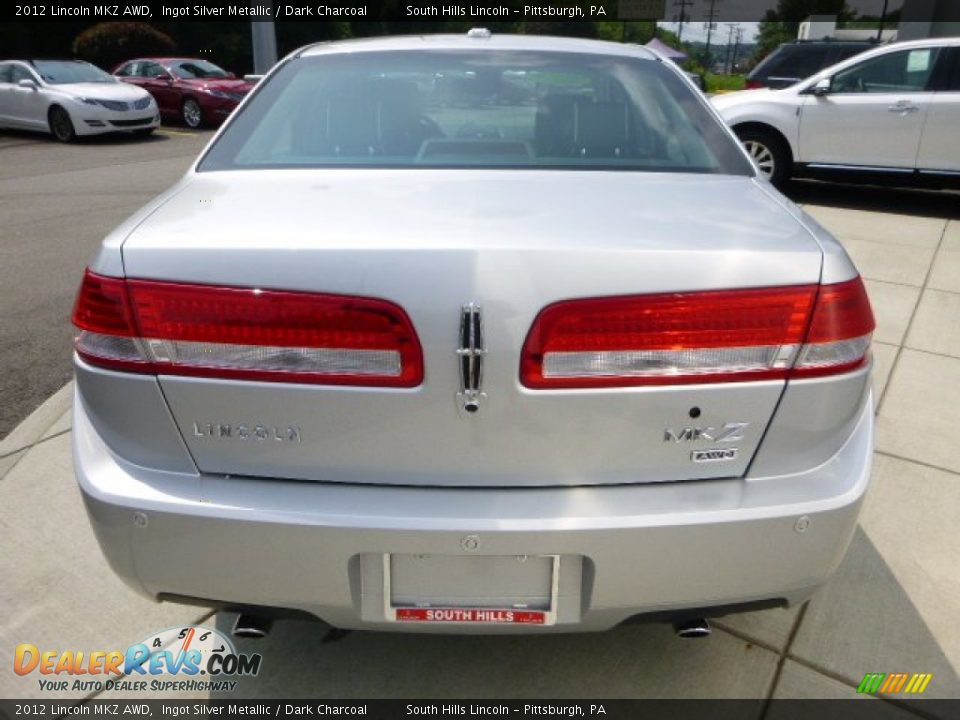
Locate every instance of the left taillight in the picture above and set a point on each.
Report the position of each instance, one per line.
(245, 333)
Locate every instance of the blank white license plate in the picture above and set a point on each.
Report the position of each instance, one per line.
(482, 589)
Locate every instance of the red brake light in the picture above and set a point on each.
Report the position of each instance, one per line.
(840, 331)
(246, 333)
(697, 337)
(753, 84)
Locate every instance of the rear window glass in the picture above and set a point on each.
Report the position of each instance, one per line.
(795, 61)
(475, 110)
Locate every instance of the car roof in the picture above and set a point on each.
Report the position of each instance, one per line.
(164, 59)
(33, 61)
(474, 41)
(832, 42)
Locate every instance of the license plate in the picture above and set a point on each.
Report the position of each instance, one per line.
(440, 577)
(471, 615)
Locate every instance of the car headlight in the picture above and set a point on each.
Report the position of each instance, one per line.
(89, 101)
(217, 93)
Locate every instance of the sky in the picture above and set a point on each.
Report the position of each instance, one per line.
(698, 31)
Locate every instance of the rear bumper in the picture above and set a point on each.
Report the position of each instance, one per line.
(625, 550)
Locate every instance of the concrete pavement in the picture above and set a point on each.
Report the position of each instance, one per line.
(892, 606)
(57, 203)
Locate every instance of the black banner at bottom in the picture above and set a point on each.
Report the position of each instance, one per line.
(864, 708)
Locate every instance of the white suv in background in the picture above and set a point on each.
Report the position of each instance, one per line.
(891, 113)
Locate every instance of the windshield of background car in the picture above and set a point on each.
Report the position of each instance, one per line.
(56, 72)
(197, 69)
(477, 110)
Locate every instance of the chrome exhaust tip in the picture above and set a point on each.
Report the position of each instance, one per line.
(696, 628)
(251, 626)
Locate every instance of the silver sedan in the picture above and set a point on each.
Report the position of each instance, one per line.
(473, 334)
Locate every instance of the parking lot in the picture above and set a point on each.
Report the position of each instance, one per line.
(56, 203)
(892, 606)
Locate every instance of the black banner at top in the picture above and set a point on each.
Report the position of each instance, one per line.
(479, 11)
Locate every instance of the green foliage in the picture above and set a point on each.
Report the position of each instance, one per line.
(110, 43)
(560, 28)
(638, 33)
(725, 83)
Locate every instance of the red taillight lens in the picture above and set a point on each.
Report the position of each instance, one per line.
(246, 333)
(696, 337)
(753, 84)
(840, 331)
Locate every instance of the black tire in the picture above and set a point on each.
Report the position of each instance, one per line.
(191, 113)
(769, 151)
(61, 126)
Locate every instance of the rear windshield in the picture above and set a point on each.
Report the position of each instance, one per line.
(477, 110)
(196, 69)
(794, 61)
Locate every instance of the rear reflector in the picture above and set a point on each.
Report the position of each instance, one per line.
(699, 337)
(245, 333)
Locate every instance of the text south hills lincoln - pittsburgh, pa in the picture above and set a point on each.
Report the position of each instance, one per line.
(467, 10)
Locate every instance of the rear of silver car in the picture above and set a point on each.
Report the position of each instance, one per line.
(481, 399)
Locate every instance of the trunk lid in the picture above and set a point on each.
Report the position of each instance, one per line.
(433, 241)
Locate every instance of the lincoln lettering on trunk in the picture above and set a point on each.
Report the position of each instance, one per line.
(241, 431)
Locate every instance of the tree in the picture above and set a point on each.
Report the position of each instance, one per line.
(781, 25)
(110, 43)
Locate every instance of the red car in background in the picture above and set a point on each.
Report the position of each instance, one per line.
(191, 90)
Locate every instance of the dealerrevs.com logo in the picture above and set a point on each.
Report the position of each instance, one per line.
(191, 659)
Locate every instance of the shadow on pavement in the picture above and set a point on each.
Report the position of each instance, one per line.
(863, 621)
(10, 138)
(872, 198)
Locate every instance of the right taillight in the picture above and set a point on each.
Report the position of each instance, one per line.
(699, 337)
(245, 333)
(753, 84)
(839, 336)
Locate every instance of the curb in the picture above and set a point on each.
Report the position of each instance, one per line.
(34, 428)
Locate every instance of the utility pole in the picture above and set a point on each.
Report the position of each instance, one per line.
(710, 26)
(731, 29)
(736, 49)
(683, 5)
(883, 16)
(263, 36)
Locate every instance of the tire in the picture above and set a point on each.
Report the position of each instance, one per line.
(61, 126)
(769, 152)
(191, 113)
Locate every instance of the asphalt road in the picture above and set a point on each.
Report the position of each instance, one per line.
(57, 202)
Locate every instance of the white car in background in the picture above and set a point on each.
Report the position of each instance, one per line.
(68, 98)
(891, 114)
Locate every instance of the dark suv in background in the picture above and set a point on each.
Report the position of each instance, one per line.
(793, 61)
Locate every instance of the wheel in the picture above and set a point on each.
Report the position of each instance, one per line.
(191, 113)
(60, 124)
(145, 132)
(769, 152)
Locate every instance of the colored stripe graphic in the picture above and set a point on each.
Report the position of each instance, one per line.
(871, 683)
(892, 683)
